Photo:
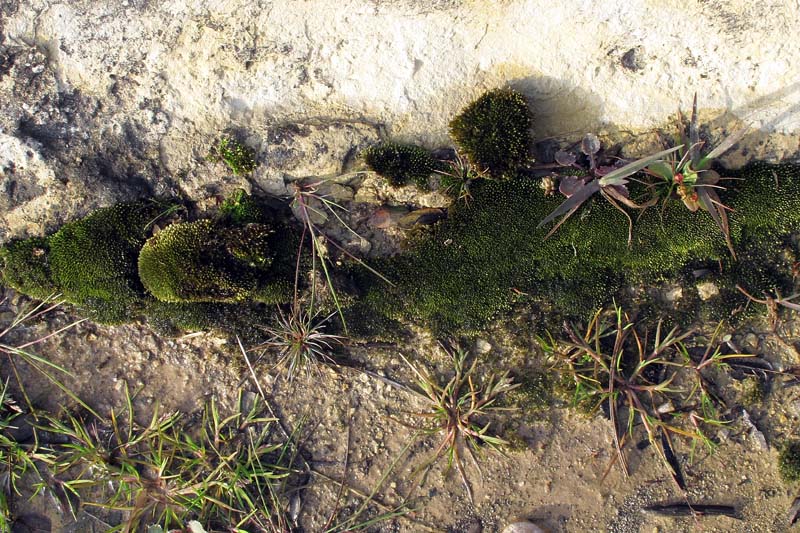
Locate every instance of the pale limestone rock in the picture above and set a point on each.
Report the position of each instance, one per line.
(127, 96)
(707, 290)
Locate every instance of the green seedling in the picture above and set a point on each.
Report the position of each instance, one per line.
(16, 458)
(300, 341)
(634, 377)
(612, 186)
(687, 175)
(458, 176)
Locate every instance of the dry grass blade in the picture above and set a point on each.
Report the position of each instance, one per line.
(302, 197)
(19, 352)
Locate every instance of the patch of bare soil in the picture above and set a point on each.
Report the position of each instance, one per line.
(360, 427)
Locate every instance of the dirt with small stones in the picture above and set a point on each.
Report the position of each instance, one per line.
(557, 474)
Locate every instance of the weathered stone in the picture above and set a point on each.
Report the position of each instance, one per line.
(707, 290)
(124, 98)
(482, 346)
(522, 527)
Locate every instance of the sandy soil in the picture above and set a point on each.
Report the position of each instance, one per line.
(555, 474)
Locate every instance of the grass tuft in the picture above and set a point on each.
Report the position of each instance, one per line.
(647, 379)
(300, 340)
(455, 410)
(229, 473)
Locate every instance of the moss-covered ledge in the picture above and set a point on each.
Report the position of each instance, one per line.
(489, 253)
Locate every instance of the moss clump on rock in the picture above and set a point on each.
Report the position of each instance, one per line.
(789, 461)
(489, 254)
(241, 208)
(248, 320)
(188, 262)
(198, 275)
(93, 260)
(239, 158)
(26, 267)
(401, 163)
(493, 132)
(206, 262)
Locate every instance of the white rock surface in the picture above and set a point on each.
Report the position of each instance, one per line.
(413, 64)
(167, 77)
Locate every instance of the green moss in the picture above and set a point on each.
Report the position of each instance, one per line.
(789, 461)
(251, 245)
(186, 263)
(93, 260)
(241, 208)
(246, 320)
(239, 158)
(401, 163)
(753, 391)
(204, 262)
(490, 254)
(534, 393)
(26, 267)
(493, 131)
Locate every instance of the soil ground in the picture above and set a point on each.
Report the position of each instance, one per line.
(556, 474)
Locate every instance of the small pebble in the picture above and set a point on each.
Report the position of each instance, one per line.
(707, 290)
(482, 346)
(523, 527)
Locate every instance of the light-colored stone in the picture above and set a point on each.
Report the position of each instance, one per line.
(482, 346)
(125, 97)
(299, 150)
(707, 290)
(523, 527)
(334, 192)
(673, 294)
(413, 64)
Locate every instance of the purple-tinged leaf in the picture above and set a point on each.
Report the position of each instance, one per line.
(790, 305)
(609, 193)
(603, 170)
(563, 219)
(710, 201)
(620, 192)
(570, 184)
(572, 203)
(590, 144)
(618, 176)
(565, 159)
